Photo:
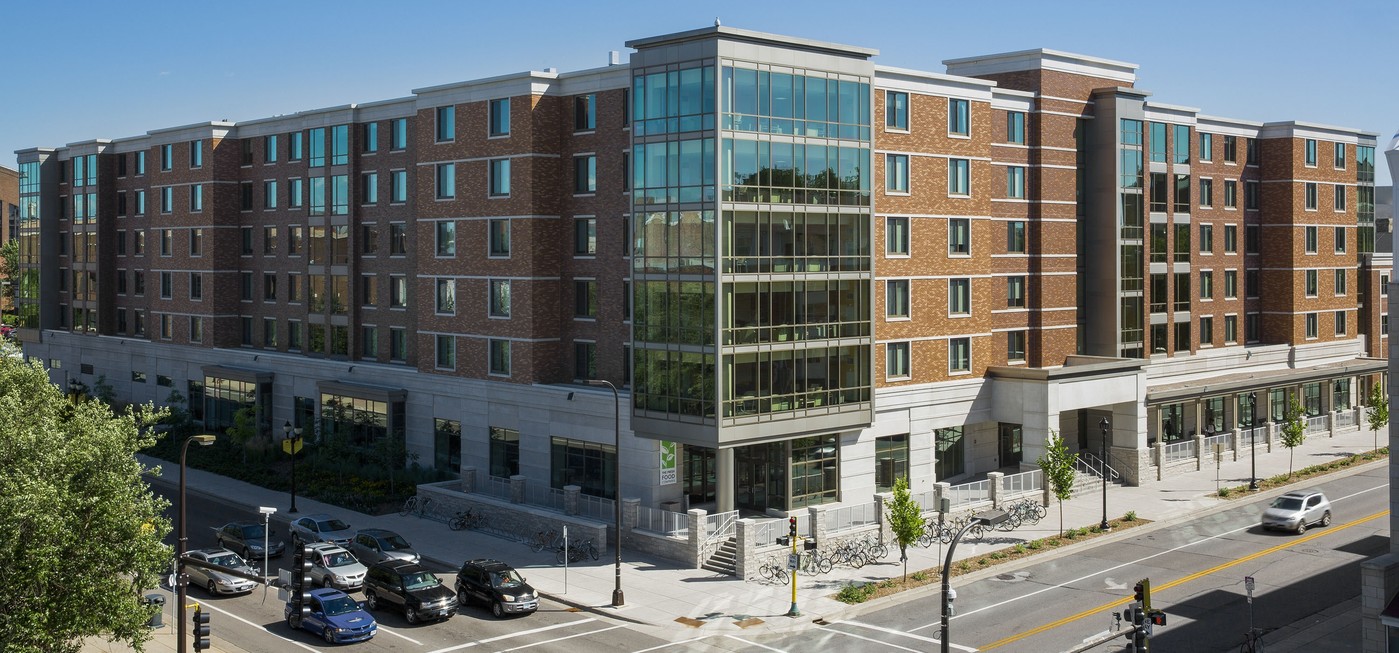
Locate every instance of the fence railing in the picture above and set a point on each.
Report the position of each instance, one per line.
(1222, 440)
(1345, 418)
(597, 508)
(926, 500)
(1318, 423)
(804, 528)
(1088, 463)
(851, 516)
(969, 493)
(545, 497)
(1178, 451)
(1022, 483)
(1253, 436)
(720, 525)
(767, 531)
(497, 487)
(665, 522)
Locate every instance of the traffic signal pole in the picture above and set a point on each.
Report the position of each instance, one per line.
(792, 532)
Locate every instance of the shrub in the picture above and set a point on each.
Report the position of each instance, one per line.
(983, 561)
(1130, 516)
(998, 555)
(1019, 548)
(1224, 492)
(964, 565)
(1034, 545)
(855, 592)
(920, 576)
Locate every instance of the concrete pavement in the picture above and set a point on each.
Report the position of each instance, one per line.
(671, 602)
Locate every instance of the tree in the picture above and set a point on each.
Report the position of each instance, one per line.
(1377, 413)
(80, 531)
(1058, 467)
(9, 270)
(905, 519)
(243, 429)
(392, 452)
(1294, 430)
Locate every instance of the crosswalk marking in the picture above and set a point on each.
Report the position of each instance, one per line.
(531, 631)
(871, 639)
(382, 629)
(670, 644)
(258, 626)
(560, 639)
(901, 633)
(775, 650)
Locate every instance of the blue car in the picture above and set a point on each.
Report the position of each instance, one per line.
(336, 617)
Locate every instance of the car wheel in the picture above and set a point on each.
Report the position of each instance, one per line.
(497, 609)
(329, 638)
(1326, 519)
(1302, 526)
(325, 581)
(213, 588)
(371, 601)
(247, 553)
(411, 614)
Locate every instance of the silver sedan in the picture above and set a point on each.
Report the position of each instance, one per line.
(214, 581)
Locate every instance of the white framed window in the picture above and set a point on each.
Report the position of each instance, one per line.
(896, 299)
(959, 122)
(959, 237)
(1310, 237)
(1340, 323)
(896, 111)
(1339, 240)
(1339, 203)
(1015, 346)
(1310, 190)
(1015, 291)
(1339, 157)
(1340, 282)
(896, 173)
(959, 355)
(959, 177)
(1312, 287)
(1015, 182)
(959, 296)
(896, 237)
(1310, 153)
(897, 360)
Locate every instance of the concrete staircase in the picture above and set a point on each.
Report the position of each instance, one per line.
(724, 560)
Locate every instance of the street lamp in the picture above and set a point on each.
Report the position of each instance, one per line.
(1103, 424)
(266, 534)
(288, 432)
(1253, 441)
(984, 519)
(617, 598)
(180, 579)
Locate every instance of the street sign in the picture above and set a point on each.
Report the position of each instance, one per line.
(792, 560)
(291, 446)
(668, 470)
(1248, 585)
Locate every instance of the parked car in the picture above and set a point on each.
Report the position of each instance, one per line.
(320, 528)
(333, 566)
(411, 588)
(373, 545)
(247, 538)
(496, 584)
(215, 582)
(1297, 510)
(336, 617)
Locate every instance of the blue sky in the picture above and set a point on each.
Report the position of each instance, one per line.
(83, 70)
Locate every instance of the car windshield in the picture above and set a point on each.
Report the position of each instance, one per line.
(506, 578)
(394, 543)
(251, 532)
(1287, 503)
(226, 560)
(420, 581)
(339, 559)
(340, 605)
(331, 525)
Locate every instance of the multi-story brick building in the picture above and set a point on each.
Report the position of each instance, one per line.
(813, 272)
(9, 223)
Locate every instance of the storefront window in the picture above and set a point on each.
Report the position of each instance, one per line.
(1311, 399)
(890, 461)
(1172, 422)
(446, 454)
(815, 470)
(505, 452)
(588, 465)
(1340, 395)
(950, 455)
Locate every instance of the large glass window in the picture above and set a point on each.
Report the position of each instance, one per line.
(1157, 142)
(815, 470)
(802, 104)
(339, 145)
(360, 422)
(1181, 143)
(500, 117)
(590, 466)
(958, 117)
(446, 451)
(896, 110)
(446, 123)
(951, 454)
(890, 461)
(505, 452)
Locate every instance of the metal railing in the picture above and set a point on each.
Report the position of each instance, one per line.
(545, 497)
(596, 508)
(1088, 463)
(1022, 483)
(1318, 423)
(1253, 436)
(719, 525)
(851, 516)
(804, 528)
(1212, 440)
(497, 487)
(1345, 417)
(767, 531)
(969, 493)
(665, 522)
(1178, 451)
(926, 500)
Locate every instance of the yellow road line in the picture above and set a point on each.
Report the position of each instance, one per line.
(1199, 574)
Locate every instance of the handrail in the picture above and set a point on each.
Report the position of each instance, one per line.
(725, 528)
(1091, 464)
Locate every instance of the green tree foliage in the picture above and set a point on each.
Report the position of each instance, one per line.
(1058, 467)
(391, 451)
(905, 519)
(9, 265)
(80, 531)
(1294, 430)
(243, 430)
(1377, 413)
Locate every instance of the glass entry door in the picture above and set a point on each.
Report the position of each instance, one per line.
(1010, 445)
(761, 477)
(700, 474)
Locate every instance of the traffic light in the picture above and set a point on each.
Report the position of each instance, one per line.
(201, 628)
(1157, 617)
(1138, 617)
(792, 526)
(1139, 638)
(1139, 592)
(1143, 593)
(302, 559)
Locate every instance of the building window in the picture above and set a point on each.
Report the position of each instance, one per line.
(1311, 325)
(369, 238)
(1231, 238)
(167, 199)
(585, 113)
(1182, 204)
(294, 146)
(369, 342)
(295, 194)
(592, 467)
(1311, 239)
(959, 180)
(1339, 204)
(1384, 325)
(584, 174)
(1340, 282)
(269, 332)
(1207, 330)
(317, 193)
(1182, 244)
(500, 357)
(896, 239)
(269, 286)
(1206, 193)
(1253, 242)
(1339, 160)
(500, 177)
(293, 335)
(1181, 142)
(896, 360)
(398, 135)
(446, 124)
(890, 461)
(339, 145)
(1251, 195)
(446, 296)
(1250, 283)
(340, 195)
(446, 238)
(1206, 239)
(1339, 240)
(499, 236)
(1231, 191)
(1015, 182)
(398, 186)
(505, 452)
(196, 329)
(958, 117)
(896, 110)
(166, 157)
(1340, 323)
(1158, 142)
(370, 136)
(896, 298)
(369, 188)
(1310, 157)
(959, 355)
(1182, 291)
(1015, 346)
(369, 291)
(959, 237)
(196, 153)
(140, 163)
(140, 202)
(446, 181)
(196, 286)
(1311, 196)
(584, 360)
(1015, 292)
(1015, 236)
(896, 173)
(1231, 329)
(585, 298)
(1231, 149)
(584, 236)
(446, 352)
(398, 291)
(316, 138)
(1015, 127)
(500, 298)
(959, 301)
(1206, 147)
(500, 117)
(398, 343)
(398, 239)
(1231, 284)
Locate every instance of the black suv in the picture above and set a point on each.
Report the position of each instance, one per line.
(496, 583)
(413, 589)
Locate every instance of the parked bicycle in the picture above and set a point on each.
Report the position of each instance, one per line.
(550, 539)
(1253, 641)
(415, 505)
(576, 551)
(815, 562)
(467, 519)
(775, 569)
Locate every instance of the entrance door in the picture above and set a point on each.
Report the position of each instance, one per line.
(1010, 445)
(699, 474)
(761, 479)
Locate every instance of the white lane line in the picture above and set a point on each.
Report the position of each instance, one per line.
(259, 627)
(458, 647)
(560, 639)
(740, 639)
(670, 644)
(566, 624)
(1125, 564)
(876, 641)
(382, 629)
(891, 631)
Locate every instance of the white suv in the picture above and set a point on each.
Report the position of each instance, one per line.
(1297, 510)
(332, 566)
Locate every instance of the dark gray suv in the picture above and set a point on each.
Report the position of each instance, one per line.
(409, 587)
(497, 584)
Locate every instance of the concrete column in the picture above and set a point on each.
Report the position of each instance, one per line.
(1272, 433)
(1199, 418)
(468, 480)
(993, 479)
(724, 481)
(1331, 422)
(940, 492)
(818, 524)
(743, 547)
(881, 504)
(517, 491)
(1199, 449)
(570, 497)
(1160, 457)
(1234, 438)
(697, 535)
(630, 513)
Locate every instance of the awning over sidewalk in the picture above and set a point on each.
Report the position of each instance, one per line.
(1250, 381)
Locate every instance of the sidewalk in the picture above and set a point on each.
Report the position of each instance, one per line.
(662, 595)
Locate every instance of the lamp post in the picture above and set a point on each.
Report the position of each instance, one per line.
(288, 432)
(984, 519)
(267, 513)
(1103, 424)
(180, 579)
(1253, 441)
(617, 598)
